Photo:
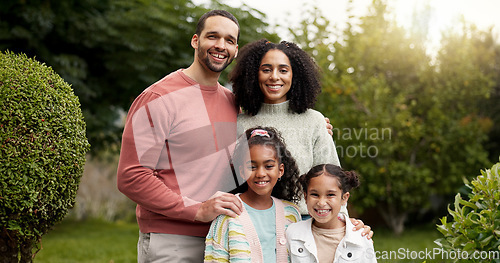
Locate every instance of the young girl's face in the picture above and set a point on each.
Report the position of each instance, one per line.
(262, 170)
(324, 199)
(275, 76)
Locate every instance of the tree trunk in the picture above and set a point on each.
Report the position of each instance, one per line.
(8, 248)
(394, 219)
(13, 249)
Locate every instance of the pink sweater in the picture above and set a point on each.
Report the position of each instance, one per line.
(175, 153)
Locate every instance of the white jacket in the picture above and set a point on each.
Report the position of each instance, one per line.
(352, 248)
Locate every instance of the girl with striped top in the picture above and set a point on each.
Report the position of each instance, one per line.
(268, 196)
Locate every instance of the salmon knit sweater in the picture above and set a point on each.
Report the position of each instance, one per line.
(175, 153)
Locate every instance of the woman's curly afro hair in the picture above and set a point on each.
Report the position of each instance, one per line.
(245, 76)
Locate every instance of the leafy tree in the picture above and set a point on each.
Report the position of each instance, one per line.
(43, 147)
(109, 51)
(397, 117)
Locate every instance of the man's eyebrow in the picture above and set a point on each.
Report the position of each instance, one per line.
(217, 32)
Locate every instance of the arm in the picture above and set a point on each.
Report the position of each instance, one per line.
(142, 144)
(324, 150)
(358, 224)
(216, 250)
(144, 166)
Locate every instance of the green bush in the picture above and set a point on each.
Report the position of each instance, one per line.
(475, 227)
(42, 146)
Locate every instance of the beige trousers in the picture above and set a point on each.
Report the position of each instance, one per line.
(159, 248)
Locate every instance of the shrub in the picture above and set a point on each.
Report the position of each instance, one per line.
(475, 227)
(42, 146)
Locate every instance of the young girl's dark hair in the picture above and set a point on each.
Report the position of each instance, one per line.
(286, 188)
(245, 76)
(347, 179)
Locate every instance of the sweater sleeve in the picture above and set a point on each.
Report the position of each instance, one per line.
(324, 146)
(226, 241)
(216, 242)
(142, 144)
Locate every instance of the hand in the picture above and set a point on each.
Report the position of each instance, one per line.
(358, 224)
(219, 203)
(329, 127)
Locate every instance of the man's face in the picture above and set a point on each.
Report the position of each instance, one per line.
(217, 43)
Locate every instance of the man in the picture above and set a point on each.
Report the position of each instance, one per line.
(176, 146)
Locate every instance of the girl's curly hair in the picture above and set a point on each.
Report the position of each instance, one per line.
(245, 76)
(287, 187)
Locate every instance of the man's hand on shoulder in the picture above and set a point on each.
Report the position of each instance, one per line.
(219, 203)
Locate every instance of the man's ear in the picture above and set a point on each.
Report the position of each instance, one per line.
(236, 53)
(345, 197)
(194, 41)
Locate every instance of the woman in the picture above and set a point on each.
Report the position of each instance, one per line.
(276, 85)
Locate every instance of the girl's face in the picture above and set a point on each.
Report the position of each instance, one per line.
(262, 170)
(275, 76)
(324, 199)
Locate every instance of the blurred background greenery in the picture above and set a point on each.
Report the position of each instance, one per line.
(414, 123)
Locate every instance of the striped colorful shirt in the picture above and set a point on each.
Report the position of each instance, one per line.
(235, 239)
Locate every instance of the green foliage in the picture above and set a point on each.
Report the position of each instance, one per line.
(475, 223)
(109, 51)
(408, 123)
(42, 146)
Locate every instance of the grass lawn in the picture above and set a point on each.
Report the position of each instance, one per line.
(98, 241)
(89, 241)
(418, 239)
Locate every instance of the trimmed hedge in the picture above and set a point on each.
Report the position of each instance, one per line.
(42, 146)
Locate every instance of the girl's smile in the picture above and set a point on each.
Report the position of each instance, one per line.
(324, 199)
(261, 172)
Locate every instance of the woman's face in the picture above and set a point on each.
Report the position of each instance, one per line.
(275, 76)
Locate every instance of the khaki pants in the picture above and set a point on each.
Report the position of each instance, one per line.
(158, 248)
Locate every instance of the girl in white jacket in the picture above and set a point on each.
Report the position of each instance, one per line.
(326, 237)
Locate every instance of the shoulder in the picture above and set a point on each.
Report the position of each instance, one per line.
(314, 114)
(355, 237)
(298, 228)
(291, 211)
(244, 116)
(226, 91)
(223, 223)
